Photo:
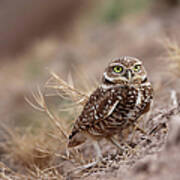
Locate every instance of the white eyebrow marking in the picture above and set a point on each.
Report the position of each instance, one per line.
(138, 63)
(115, 64)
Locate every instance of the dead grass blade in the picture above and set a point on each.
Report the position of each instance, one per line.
(42, 106)
(56, 83)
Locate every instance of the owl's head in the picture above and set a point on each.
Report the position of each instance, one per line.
(124, 71)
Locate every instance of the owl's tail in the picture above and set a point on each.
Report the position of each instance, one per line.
(76, 138)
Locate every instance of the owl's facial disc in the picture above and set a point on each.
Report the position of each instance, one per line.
(124, 71)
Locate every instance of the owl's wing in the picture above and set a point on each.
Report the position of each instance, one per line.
(101, 104)
(147, 101)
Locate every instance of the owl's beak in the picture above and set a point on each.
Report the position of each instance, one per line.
(129, 74)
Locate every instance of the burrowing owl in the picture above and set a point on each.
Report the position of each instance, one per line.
(124, 95)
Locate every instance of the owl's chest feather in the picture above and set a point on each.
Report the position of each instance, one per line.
(133, 103)
(113, 108)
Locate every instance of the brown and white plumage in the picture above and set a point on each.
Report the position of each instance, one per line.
(123, 97)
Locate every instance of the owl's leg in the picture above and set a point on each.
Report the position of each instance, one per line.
(116, 143)
(147, 115)
(98, 149)
(94, 163)
(136, 127)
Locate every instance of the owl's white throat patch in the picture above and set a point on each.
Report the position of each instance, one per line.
(105, 86)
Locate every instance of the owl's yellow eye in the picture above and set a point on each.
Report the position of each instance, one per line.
(118, 69)
(137, 68)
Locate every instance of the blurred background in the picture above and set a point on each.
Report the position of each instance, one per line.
(70, 37)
